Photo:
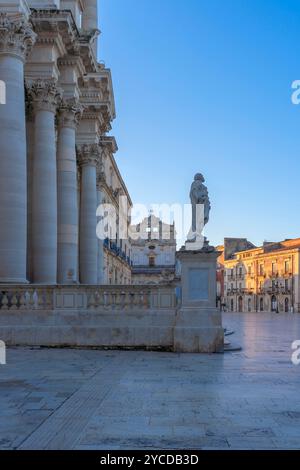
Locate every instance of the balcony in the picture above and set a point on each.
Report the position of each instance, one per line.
(116, 250)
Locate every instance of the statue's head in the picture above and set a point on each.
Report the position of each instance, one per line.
(199, 177)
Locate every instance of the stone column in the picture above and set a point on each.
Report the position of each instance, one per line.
(88, 156)
(100, 257)
(67, 197)
(16, 39)
(44, 184)
(30, 147)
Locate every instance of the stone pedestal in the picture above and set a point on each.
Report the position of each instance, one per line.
(198, 326)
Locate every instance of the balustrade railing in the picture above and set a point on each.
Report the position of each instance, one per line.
(119, 297)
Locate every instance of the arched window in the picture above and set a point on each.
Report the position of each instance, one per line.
(261, 304)
(151, 261)
(286, 304)
(273, 303)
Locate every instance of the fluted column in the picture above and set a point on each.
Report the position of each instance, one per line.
(44, 184)
(67, 197)
(88, 156)
(30, 147)
(16, 39)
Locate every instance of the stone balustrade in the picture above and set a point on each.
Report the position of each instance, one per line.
(81, 297)
(88, 316)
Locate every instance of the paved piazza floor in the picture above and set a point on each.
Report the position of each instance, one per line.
(89, 399)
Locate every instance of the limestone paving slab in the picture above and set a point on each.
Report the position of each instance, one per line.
(96, 399)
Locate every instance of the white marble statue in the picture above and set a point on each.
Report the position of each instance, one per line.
(200, 212)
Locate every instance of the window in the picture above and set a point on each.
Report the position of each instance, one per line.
(261, 304)
(261, 269)
(286, 284)
(151, 261)
(240, 271)
(286, 304)
(273, 285)
(286, 267)
(249, 269)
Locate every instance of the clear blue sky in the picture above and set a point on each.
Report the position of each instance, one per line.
(205, 86)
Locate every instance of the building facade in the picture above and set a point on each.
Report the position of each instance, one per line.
(264, 278)
(153, 251)
(116, 262)
(56, 161)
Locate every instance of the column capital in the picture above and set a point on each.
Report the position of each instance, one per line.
(100, 174)
(16, 35)
(69, 113)
(45, 95)
(88, 154)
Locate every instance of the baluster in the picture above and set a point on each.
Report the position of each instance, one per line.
(113, 300)
(146, 300)
(31, 300)
(136, 299)
(48, 300)
(22, 300)
(27, 299)
(35, 299)
(131, 300)
(101, 299)
(123, 300)
(4, 302)
(105, 300)
(97, 299)
(126, 300)
(118, 300)
(14, 302)
(91, 301)
(40, 300)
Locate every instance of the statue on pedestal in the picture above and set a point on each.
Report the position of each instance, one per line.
(200, 213)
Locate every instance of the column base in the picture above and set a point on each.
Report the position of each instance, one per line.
(13, 281)
(198, 331)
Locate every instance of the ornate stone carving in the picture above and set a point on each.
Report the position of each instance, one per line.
(100, 172)
(69, 112)
(16, 36)
(45, 95)
(88, 154)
